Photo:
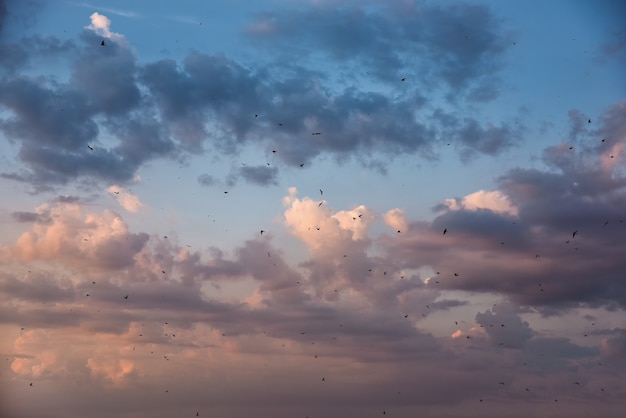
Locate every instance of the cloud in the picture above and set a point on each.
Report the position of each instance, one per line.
(385, 40)
(396, 219)
(518, 240)
(495, 201)
(82, 240)
(207, 180)
(99, 20)
(261, 175)
(126, 199)
(100, 24)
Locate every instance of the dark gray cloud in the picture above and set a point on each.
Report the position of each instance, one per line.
(462, 43)
(30, 217)
(261, 175)
(164, 109)
(534, 257)
(504, 326)
(106, 76)
(207, 180)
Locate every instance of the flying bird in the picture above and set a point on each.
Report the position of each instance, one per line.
(90, 147)
(126, 297)
(321, 192)
(102, 43)
(262, 231)
(574, 233)
(445, 230)
(321, 203)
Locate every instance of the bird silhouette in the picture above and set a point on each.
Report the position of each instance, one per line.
(126, 297)
(445, 231)
(574, 233)
(103, 43)
(90, 147)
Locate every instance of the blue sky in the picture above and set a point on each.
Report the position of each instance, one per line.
(440, 187)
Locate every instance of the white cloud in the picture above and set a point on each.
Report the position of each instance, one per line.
(396, 219)
(495, 201)
(100, 24)
(315, 223)
(126, 199)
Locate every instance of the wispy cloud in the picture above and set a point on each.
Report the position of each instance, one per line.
(115, 11)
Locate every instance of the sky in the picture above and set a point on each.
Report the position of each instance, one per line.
(312, 208)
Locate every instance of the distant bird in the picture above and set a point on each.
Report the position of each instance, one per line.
(445, 230)
(589, 121)
(302, 165)
(456, 274)
(323, 380)
(262, 231)
(90, 147)
(321, 192)
(574, 233)
(197, 414)
(31, 383)
(403, 79)
(398, 231)
(321, 203)
(606, 222)
(406, 316)
(316, 133)
(502, 383)
(126, 297)
(273, 151)
(102, 43)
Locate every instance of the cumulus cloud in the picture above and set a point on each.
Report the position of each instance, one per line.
(495, 201)
(101, 24)
(321, 229)
(79, 238)
(396, 219)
